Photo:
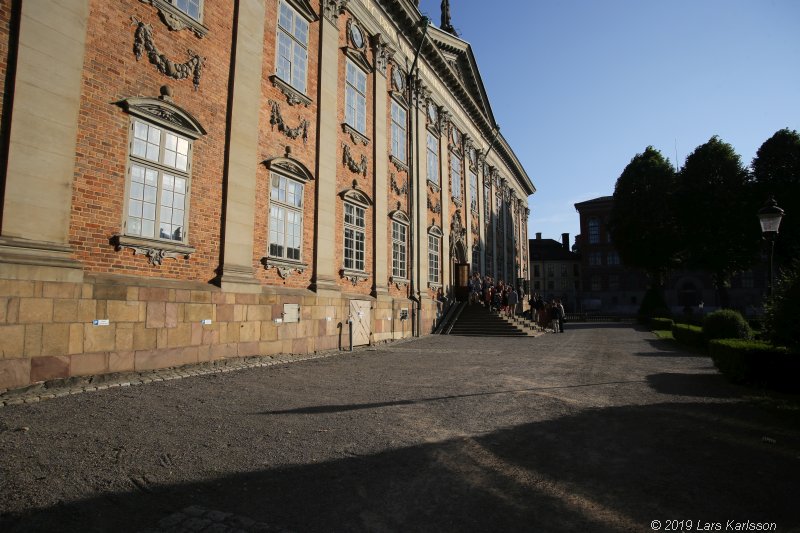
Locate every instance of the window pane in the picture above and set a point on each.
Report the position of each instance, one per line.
(148, 228)
(137, 190)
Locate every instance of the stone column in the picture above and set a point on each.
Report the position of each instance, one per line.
(467, 187)
(419, 138)
(481, 214)
(327, 230)
(240, 188)
(34, 242)
(444, 178)
(381, 168)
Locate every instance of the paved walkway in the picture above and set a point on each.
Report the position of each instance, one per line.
(603, 428)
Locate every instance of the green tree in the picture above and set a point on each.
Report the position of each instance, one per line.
(714, 203)
(641, 222)
(776, 170)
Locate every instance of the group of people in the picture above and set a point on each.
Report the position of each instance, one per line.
(504, 298)
(548, 315)
(497, 296)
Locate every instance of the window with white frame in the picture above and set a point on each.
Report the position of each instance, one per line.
(595, 259)
(612, 258)
(398, 131)
(159, 172)
(355, 98)
(354, 236)
(193, 8)
(285, 218)
(473, 190)
(433, 158)
(455, 174)
(399, 250)
(292, 61)
(597, 283)
(433, 258)
(594, 231)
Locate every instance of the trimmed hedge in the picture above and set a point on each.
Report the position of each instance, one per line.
(756, 363)
(689, 335)
(661, 324)
(726, 324)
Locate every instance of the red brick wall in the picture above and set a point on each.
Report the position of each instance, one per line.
(273, 143)
(111, 73)
(345, 177)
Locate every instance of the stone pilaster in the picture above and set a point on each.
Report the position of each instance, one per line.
(240, 191)
(381, 171)
(481, 214)
(328, 233)
(419, 138)
(444, 174)
(34, 243)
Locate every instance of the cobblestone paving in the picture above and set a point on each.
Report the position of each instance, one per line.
(78, 385)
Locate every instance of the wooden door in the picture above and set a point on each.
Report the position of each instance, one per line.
(360, 314)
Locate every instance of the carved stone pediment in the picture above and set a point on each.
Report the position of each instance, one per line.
(289, 166)
(164, 112)
(356, 196)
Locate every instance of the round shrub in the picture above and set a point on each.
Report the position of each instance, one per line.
(783, 309)
(726, 324)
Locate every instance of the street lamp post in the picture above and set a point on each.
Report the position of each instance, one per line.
(770, 217)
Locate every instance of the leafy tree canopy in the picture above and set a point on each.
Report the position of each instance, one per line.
(776, 170)
(642, 224)
(714, 204)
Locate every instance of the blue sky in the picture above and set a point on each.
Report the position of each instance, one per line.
(581, 86)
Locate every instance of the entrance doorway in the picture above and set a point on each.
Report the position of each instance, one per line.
(461, 281)
(360, 314)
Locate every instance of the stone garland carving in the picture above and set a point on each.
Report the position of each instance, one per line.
(435, 208)
(397, 189)
(283, 269)
(353, 276)
(155, 256)
(143, 43)
(475, 229)
(398, 282)
(276, 119)
(352, 164)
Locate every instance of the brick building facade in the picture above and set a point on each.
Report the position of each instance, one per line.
(608, 285)
(198, 180)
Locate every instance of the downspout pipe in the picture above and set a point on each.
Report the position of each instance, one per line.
(413, 89)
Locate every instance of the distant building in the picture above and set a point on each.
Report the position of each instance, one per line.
(555, 270)
(610, 286)
(607, 284)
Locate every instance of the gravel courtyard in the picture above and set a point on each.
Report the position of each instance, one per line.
(603, 428)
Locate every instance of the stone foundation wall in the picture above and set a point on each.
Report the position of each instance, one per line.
(48, 329)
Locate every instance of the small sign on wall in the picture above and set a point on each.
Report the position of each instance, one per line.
(291, 313)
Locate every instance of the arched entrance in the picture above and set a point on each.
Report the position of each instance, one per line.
(459, 268)
(459, 264)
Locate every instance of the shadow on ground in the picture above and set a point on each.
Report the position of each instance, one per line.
(609, 469)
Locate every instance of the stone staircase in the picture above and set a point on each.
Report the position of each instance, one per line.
(476, 321)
